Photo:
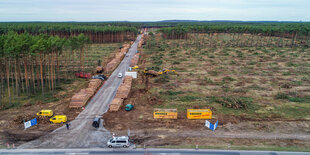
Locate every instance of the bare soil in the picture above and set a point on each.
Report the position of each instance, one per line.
(257, 73)
(11, 120)
(232, 130)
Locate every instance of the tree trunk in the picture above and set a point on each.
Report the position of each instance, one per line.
(16, 77)
(41, 73)
(33, 78)
(8, 79)
(58, 68)
(49, 72)
(26, 74)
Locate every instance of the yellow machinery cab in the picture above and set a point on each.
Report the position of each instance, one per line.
(135, 67)
(59, 119)
(45, 113)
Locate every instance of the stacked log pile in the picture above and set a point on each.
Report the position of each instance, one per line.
(141, 41)
(118, 58)
(80, 99)
(121, 94)
(134, 61)
(116, 104)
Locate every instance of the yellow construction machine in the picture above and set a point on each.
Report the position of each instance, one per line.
(166, 71)
(151, 71)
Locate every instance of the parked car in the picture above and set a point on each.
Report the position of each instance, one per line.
(101, 77)
(127, 55)
(122, 141)
(128, 107)
(120, 75)
(96, 122)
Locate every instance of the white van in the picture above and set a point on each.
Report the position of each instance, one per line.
(122, 141)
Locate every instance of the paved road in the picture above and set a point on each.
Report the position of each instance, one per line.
(81, 133)
(147, 151)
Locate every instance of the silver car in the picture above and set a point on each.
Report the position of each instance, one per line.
(119, 142)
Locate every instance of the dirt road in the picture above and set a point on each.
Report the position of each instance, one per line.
(81, 133)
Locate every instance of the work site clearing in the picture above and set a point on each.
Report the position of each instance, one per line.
(260, 96)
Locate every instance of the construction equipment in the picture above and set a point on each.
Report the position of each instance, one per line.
(99, 68)
(135, 67)
(166, 71)
(150, 71)
(83, 75)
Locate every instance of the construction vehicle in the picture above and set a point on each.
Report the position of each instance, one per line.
(99, 68)
(166, 71)
(83, 75)
(135, 67)
(150, 71)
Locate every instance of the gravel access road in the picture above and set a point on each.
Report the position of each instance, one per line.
(81, 133)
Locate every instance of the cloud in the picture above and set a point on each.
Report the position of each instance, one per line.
(153, 10)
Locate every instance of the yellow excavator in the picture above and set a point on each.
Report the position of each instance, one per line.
(166, 71)
(151, 71)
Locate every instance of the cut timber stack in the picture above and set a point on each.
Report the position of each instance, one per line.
(118, 58)
(88, 91)
(134, 61)
(94, 83)
(125, 48)
(128, 79)
(116, 104)
(80, 99)
(121, 94)
(141, 41)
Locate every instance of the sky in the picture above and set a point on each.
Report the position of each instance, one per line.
(154, 10)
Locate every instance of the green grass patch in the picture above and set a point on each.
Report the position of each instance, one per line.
(293, 110)
(213, 73)
(292, 97)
